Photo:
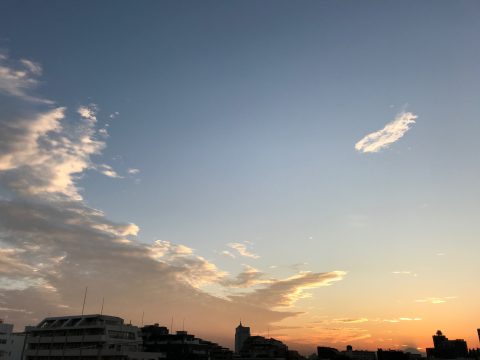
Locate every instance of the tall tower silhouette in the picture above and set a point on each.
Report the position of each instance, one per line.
(242, 333)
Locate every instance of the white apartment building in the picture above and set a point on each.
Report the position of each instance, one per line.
(85, 337)
(11, 344)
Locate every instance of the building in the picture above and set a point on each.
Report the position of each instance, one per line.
(328, 353)
(258, 347)
(5, 332)
(181, 345)
(11, 343)
(443, 348)
(85, 337)
(242, 333)
(358, 354)
(392, 355)
(398, 355)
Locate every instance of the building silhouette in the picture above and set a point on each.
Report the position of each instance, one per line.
(392, 355)
(181, 345)
(443, 348)
(260, 347)
(328, 353)
(359, 354)
(242, 333)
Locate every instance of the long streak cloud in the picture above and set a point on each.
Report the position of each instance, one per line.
(391, 133)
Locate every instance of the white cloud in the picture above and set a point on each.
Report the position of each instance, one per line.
(397, 320)
(17, 78)
(103, 132)
(88, 112)
(107, 170)
(435, 300)
(133, 171)
(191, 268)
(43, 155)
(114, 115)
(228, 254)
(242, 250)
(392, 132)
(404, 272)
(33, 67)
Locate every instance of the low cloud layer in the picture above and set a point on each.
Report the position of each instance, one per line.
(383, 138)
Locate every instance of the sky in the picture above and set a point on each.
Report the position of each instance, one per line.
(308, 167)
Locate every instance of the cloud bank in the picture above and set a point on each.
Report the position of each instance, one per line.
(383, 138)
(52, 244)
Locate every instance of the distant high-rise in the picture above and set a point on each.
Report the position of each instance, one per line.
(242, 333)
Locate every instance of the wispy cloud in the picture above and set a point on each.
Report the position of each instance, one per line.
(103, 132)
(242, 250)
(331, 335)
(228, 254)
(133, 171)
(107, 170)
(191, 268)
(435, 300)
(247, 278)
(359, 320)
(383, 138)
(17, 78)
(350, 320)
(114, 115)
(33, 67)
(397, 320)
(285, 292)
(405, 272)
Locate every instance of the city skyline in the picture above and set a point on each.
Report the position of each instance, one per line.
(94, 336)
(307, 167)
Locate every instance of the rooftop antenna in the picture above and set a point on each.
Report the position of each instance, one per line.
(84, 298)
(103, 301)
(171, 326)
(143, 314)
(183, 325)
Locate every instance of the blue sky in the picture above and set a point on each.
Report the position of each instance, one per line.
(242, 119)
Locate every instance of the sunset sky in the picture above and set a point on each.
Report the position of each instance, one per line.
(309, 167)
